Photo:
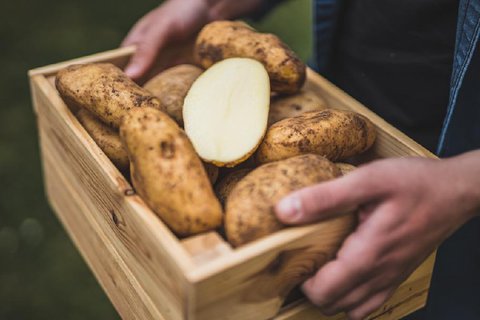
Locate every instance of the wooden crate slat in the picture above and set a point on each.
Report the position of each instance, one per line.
(122, 288)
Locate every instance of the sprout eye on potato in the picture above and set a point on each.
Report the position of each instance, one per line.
(227, 39)
(171, 87)
(249, 209)
(225, 112)
(104, 90)
(168, 174)
(334, 134)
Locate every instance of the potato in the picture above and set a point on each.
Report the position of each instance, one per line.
(212, 172)
(334, 134)
(249, 208)
(167, 173)
(226, 39)
(345, 167)
(104, 90)
(225, 186)
(171, 87)
(282, 107)
(106, 138)
(225, 112)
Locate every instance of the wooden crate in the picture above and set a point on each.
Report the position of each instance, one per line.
(146, 271)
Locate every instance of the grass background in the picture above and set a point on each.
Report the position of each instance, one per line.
(42, 276)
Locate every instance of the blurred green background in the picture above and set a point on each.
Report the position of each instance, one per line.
(42, 276)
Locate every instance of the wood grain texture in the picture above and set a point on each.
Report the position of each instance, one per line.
(206, 247)
(146, 271)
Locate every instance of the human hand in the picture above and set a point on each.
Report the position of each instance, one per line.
(407, 207)
(176, 20)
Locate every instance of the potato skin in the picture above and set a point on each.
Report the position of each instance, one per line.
(345, 167)
(227, 39)
(282, 107)
(334, 134)
(249, 208)
(106, 138)
(104, 90)
(167, 173)
(225, 186)
(171, 86)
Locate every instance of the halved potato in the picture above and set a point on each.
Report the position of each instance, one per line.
(225, 112)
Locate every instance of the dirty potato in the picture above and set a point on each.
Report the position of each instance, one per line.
(334, 134)
(249, 207)
(225, 185)
(282, 107)
(106, 138)
(171, 87)
(104, 90)
(227, 39)
(167, 173)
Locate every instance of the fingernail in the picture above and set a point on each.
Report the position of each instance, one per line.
(289, 209)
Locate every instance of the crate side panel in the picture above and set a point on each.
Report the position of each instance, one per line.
(123, 290)
(257, 287)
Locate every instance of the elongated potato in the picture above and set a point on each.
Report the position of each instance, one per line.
(104, 90)
(345, 167)
(334, 134)
(249, 208)
(283, 107)
(226, 185)
(171, 87)
(168, 174)
(106, 138)
(226, 111)
(227, 39)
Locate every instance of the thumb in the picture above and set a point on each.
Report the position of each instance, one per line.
(328, 199)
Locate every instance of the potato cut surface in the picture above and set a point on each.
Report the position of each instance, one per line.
(226, 111)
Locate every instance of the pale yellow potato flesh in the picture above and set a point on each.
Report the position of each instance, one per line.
(225, 112)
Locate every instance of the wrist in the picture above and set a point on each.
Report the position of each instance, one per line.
(465, 169)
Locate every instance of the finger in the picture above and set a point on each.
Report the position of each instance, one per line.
(367, 308)
(148, 47)
(136, 33)
(139, 29)
(358, 295)
(332, 282)
(357, 263)
(328, 199)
